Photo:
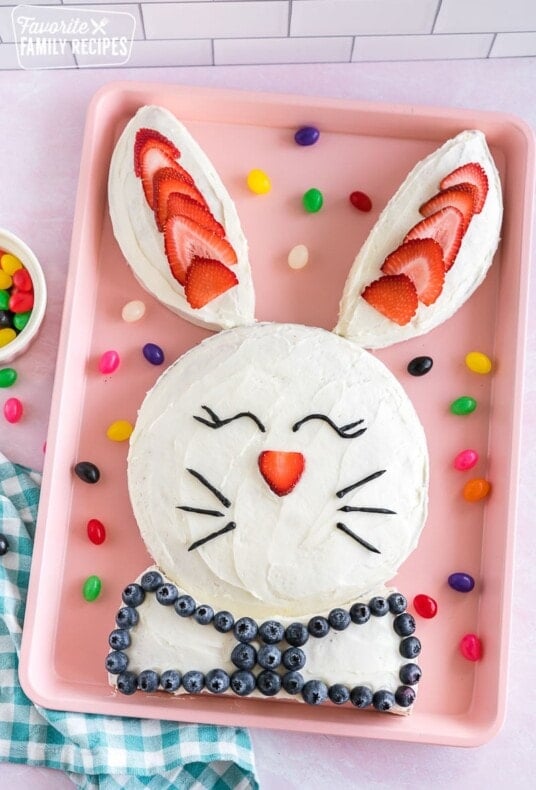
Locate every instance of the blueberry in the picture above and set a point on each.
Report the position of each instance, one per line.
(217, 681)
(133, 595)
(271, 632)
(127, 682)
(361, 696)
(148, 680)
(383, 700)
(170, 680)
(4, 545)
(167, 594)
(315, 692)
(378, 606)
(269, 683)
(126, 617)
(360, 613)
(410, 674)
(193, 681)
(116, 662)
(397, 603)
(269, 657)
(410, 647)
(404, 624)
(318, 626)
(244, 656)
(293, 682)
(245, 629)
(185, 605)
(339, 619)
(151, 581)
(296, 634)
(243, 682)
(294, 658)
(338, 694)
(119, 639)
(223, 622)
(204, 614)
(405, 696)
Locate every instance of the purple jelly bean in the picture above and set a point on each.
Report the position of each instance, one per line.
(307, 135)
(461, 582)
(153, 353)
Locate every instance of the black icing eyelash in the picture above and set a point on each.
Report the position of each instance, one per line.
(216, 422)
(345, 431)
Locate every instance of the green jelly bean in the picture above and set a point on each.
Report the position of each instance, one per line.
(4, 300)
(313, 200)
(463, 405)
(21, 319)
(8, 376)
(92, 588)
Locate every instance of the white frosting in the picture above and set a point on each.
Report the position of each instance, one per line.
(361, 322)
(143, 246)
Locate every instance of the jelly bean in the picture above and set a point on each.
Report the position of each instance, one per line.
(96, 531)
(476, 489)
(92, 588)
(307, 135)
(7, 334)
(6, 321)
(109, 362)
(20, 301)
(471, 647)
(419, 366)
(466, 460)
(153, 353)
(6, 280)
(463, 405)
(313, 200)
(119, 431)
(4, 300)
(298, 257)
(360, 201)
(133, 311)
(13, 410)
(21, 319)
(22, 280)
(10, 263)
(461, 582)
(87, 472)
(4, 545)
(259, 182)
(425, 605)
(8, 377)
(478, 362)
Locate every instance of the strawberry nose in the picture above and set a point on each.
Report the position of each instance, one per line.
(281, 470)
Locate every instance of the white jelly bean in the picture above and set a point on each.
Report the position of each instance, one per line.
(298, 257)
(133, 311)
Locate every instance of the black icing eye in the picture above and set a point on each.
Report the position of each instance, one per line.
(350, 431)
(216, 422)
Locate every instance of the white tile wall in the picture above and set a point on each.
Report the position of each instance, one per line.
(205, 32)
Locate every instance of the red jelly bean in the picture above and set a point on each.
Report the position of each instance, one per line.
(13, 409)
(466, 460)
(96, 531)
(425, 605)
(20, 301)
(22, 280)
(471, 647)
(109, 362)
(361, 201)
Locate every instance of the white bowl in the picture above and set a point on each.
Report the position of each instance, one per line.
(10, 243)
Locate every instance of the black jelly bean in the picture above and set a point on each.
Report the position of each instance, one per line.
(87, 472)
(419, 366)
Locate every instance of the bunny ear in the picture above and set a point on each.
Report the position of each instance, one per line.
(176, 223)
(430, 248)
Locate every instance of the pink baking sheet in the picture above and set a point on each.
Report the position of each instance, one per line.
(362, 146)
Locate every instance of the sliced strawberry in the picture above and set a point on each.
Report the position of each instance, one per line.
(422, 261)
(462, 197)
(394, 296)
(281, 470)
(153, 138)
(153, 160)
(471, 173)
(182, 205)
(185, 240)
(446, 227)
(165, 183)
(205, 280)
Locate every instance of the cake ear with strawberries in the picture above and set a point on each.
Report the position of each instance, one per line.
(430, 248)
(176, 223)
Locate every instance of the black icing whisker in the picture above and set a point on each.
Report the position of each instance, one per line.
(345, 431)
(227, 528)
(202, 510)
(384, 510)
(221, 497)
(361, 541)
(217, 422)
(359, 483)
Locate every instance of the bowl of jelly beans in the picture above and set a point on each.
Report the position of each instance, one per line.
(23, 296)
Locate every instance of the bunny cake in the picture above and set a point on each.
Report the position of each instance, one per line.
(278, 473)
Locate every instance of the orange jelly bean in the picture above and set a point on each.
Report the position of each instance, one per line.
(476, 489)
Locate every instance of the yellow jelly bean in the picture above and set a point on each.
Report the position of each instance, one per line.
(6, 280)
(6, 336)
(259, 182)
(10, 263)
(476, 489)
(119, 431)
(478, 362)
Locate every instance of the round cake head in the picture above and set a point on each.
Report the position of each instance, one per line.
(278, 470)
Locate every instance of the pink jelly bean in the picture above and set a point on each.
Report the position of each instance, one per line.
(465, 460)
(13, 409)
(109, 362)
(471, 647)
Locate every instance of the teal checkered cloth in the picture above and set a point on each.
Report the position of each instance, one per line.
(96, 751)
